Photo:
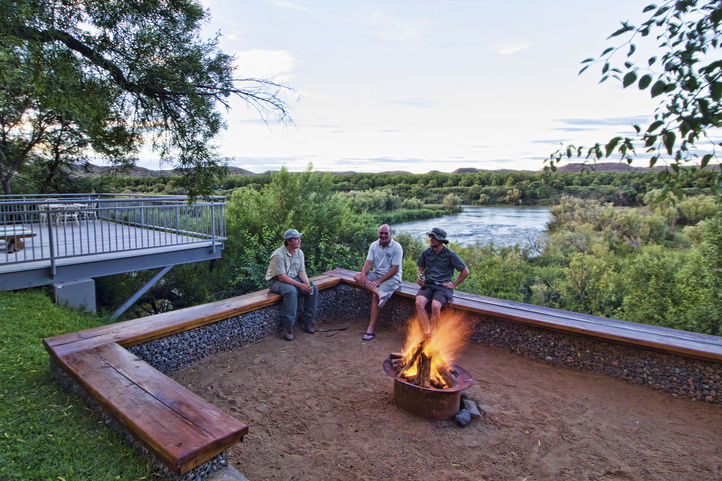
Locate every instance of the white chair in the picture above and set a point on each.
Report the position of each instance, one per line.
(89, 211)
(67, 215)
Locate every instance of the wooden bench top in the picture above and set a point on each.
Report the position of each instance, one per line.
(144, 329)
(179, 427)
(692, 344)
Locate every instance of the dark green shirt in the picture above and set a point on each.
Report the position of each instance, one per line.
(439, 268)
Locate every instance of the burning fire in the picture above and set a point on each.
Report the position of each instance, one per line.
(428, 362)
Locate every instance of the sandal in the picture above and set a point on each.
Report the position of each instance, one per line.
(368, 336)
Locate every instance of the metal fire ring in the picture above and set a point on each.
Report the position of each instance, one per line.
(429, 402)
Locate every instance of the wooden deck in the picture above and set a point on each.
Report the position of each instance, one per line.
(95, 248)
(89, 237)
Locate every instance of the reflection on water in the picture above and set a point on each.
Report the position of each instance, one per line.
(502, 226)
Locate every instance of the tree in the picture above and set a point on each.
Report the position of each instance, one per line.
(111, 76)
(686, 78)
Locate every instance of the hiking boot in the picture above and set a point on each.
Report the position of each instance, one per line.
(309, 328)
(288, 335)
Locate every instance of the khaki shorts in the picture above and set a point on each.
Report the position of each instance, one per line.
(387, 286)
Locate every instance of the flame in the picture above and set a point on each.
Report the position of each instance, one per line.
(444, 346)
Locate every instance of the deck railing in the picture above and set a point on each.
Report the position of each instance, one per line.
(68, 225)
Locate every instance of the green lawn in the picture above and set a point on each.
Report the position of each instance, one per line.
(46, 434)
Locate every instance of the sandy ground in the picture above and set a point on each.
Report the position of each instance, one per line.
(320, 408)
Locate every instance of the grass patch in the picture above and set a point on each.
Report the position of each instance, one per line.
(45, 433)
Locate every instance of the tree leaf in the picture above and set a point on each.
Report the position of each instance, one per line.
(705, 160)
(629, 79)
(704, 108)
(625, 28)
(645, 81)
(716, 16)
(654, 126)
(609, 148)
(632, 48)
(668, 138)
(658, 88)
(648, 8)
(651, 61)
(587, 60)
(716, 91)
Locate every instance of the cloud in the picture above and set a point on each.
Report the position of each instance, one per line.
(513, 48)
(393, 29)
(288, 5)
(635, 119)
(420, 102)
(548, 141)
(574, 129)
(271, 64)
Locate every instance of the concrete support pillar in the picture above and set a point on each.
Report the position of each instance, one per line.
(76, 294)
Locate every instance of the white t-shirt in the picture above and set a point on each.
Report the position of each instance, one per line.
(386, 257)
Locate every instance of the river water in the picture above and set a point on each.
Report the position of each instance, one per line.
(502, 226)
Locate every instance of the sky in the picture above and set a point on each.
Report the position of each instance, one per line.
(423, 85)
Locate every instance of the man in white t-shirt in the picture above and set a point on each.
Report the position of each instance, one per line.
(385, 255)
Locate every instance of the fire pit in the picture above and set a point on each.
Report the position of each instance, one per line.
(429, 402)
(427, 382)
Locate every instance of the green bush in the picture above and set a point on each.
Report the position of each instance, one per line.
(333, 235)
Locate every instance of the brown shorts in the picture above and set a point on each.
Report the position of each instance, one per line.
(436, 293)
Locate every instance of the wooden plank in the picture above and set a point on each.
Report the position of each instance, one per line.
(154, 425)
(138, 331)
(181, 428)
(187, 404)
(691, 344)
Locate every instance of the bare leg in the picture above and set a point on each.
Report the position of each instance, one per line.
(374, 313)
(435, 313)
(421, 314)
(374, 290)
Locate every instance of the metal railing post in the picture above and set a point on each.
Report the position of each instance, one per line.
(51, 239)
(213, 226)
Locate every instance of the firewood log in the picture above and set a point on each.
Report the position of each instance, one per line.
(419, 349)
(424, 375)
(446, 375)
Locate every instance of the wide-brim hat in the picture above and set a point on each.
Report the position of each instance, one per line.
(439, 234)
(291, 234)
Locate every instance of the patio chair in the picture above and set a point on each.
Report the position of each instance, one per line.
(89, 211)
(67, 215)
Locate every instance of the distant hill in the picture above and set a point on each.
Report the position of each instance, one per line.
(604, 167)
(472, 170)
(92, 170)
(97, 170)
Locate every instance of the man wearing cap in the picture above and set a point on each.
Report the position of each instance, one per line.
(286, 275)
(385, 254)
(436, 268)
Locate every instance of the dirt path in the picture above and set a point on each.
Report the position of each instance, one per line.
(320, 409)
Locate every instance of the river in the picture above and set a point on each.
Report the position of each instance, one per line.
(502, 226)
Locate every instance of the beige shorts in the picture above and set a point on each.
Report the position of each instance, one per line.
(387, 286)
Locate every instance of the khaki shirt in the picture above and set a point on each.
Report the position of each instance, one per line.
(439, 268)
(282, 262)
